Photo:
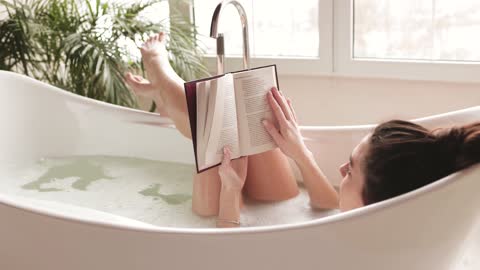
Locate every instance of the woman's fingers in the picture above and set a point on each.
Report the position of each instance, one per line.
(292, 110)
(283, 103)
(226, 156)
(233, 172)
(225, 167)
(277, 111)
(277, 137)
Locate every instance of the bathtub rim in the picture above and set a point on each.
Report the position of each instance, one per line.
(356, 213)
(338, 217)
(165, 121)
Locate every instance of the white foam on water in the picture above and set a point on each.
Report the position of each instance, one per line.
(154, 192)
(150, 191)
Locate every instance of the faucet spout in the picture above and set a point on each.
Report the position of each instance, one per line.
(219, 36)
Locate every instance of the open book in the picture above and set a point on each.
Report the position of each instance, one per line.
(227, 110)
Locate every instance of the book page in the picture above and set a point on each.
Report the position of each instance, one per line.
(224, 129)
(251, 89)
(211, 87)
(202, 101)
(206, 94)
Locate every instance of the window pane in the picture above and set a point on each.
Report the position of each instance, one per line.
(291, 30)
(286, 28)
(457, 30)
(417, 29)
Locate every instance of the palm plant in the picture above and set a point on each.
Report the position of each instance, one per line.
(86, 46)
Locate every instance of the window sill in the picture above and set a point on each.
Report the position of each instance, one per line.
(443, 71)
(285, 65)
(464, 72)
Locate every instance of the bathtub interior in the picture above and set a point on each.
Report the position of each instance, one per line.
(45, 125)
(143, 167)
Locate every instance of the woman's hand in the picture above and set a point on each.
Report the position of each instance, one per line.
(287, 136)
(233, 172)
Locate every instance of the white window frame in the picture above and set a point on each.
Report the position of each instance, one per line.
(294, 65)
(336, 55)
(346, 65)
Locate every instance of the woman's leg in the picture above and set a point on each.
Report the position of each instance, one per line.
(270, 177)
(165, 87)
(269, 173)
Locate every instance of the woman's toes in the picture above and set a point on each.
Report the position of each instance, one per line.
(128, 76)
(138, 83)
(161, 36)
(140, 79)
(148, 43)
(135, 78)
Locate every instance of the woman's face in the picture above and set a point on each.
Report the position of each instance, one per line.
(353, 178)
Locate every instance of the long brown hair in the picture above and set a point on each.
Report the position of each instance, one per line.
(404, 156)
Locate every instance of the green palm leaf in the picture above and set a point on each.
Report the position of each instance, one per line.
(80, 45)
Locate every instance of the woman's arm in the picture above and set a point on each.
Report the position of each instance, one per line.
(232, 174)
(229, 212)
(289, 139)
(321, 192)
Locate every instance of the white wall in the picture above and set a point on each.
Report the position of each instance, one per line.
(327, 100)
(342, 100)
(320, 100)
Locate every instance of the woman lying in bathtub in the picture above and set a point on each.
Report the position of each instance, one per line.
(397, 157)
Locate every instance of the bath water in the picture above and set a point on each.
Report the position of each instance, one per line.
(153, 192)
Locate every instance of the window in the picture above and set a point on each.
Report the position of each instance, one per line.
(296, 37)
(394, 39)
(277, 28)
(409, 39)
(439, 30)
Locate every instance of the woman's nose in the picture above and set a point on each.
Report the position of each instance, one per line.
(343, 169)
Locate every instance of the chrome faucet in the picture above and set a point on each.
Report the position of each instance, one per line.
(219, 36)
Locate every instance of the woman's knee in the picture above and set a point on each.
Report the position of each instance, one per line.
(270, 177)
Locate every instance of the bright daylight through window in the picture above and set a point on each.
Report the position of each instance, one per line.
(277, 28)
(442, 30)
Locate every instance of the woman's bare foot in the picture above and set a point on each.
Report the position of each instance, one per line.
(164, 85)
(144, 88)
(161, 76)
(157, 65)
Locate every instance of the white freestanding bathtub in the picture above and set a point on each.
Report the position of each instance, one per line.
(424, 229)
